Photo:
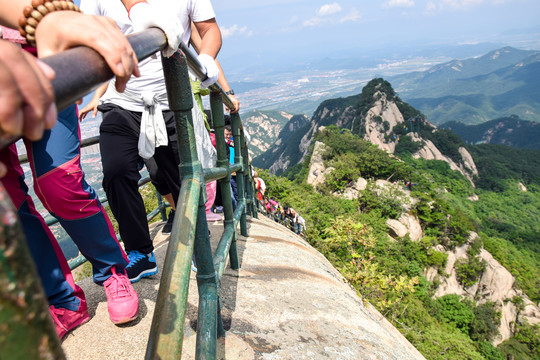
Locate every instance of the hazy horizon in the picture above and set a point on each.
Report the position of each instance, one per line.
(290, 32)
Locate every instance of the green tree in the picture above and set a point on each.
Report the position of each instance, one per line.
(484, 327)
(469, 270)
(454, 310)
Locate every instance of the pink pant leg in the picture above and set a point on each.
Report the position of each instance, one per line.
(211, 188)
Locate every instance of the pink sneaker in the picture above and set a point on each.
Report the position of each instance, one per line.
(66, 320)
(210, 216)
(122, 300)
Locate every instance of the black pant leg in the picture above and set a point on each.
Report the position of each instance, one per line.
(119, 134)
(168, 159)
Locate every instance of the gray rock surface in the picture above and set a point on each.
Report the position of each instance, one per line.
(285, 302)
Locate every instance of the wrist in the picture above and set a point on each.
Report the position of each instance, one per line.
(32, 16)
(229, 92)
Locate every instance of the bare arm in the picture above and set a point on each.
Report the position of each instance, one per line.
(210, 37)
(93, 104)
(196, 42)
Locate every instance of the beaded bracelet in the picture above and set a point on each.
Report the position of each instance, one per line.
(32, 15)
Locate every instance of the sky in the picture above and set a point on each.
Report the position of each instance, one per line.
(268, 32)
(276, 29)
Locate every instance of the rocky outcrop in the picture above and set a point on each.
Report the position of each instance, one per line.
(430, 152)
(383, 114)
(412, 224)
(284, 152)
(317, 169)
(264, 128)
(351, 192)
(281, 163)
(467, 161)
(496, 284)
(397, 229)
(374, 124)
(406, 224)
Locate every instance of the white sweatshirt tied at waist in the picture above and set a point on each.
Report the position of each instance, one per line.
(153, 130)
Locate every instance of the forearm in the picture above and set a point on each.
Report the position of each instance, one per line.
(222, 81)
(100, 91)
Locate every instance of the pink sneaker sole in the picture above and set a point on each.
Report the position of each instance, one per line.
(123, 320)
(69, 319)
(213, 217)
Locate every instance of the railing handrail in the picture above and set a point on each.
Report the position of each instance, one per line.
(72, 82)
(75, 81)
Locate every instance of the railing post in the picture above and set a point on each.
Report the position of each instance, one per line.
(216, 106)
(248, 183)
(239, 141)
(26, 330)
(165, 339)
(161, 206)
(207, 284)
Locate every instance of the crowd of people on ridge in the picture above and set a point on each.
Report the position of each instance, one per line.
(283, 214)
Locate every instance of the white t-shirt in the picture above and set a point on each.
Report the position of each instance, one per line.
(263, 185)
(151, 79)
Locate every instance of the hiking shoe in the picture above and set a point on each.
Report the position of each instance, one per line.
(122, 300)
(66, 320)
(210, 216)
(167, 228)
(140, 265)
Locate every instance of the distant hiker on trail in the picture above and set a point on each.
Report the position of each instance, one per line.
(55, 163)
(301, 225)
(260, 186)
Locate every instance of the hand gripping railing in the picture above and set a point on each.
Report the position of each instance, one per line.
(23, 307)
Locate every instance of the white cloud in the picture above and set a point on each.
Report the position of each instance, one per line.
(460, 4)
(329, 9)
(430, 6)
(442, 5)
(398, 4)
(316, 21)
(326, 14)
(235, 30)
(353, 16)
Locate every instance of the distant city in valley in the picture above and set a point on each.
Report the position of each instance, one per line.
(300, 92)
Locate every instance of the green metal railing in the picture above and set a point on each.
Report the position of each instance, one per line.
(23, 307)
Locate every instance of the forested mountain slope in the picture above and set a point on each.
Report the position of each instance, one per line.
(511, 131)
(264, 126)
(417, 240)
